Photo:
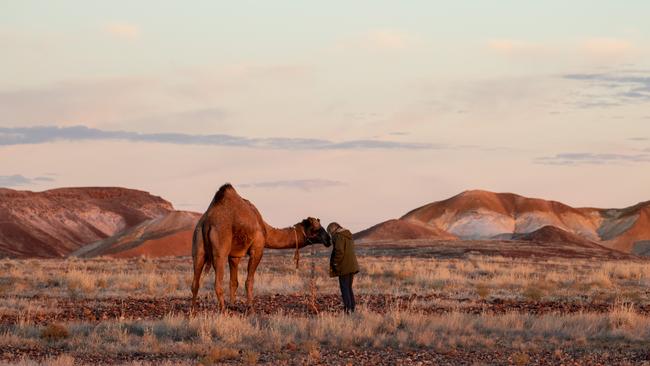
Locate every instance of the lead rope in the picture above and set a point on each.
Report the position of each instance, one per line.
(312, 282)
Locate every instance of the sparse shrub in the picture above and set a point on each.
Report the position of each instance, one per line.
(250, 357)
(5, 286)
(520, 358)
(53, 282)
(79, 283)
(102, 283)
(533, 292)
(602, 279)
(622, 316)
(54, 332)
(150, 341)
(61, 360)
(147, 265)
(632, 296)
(405, 274)
(217, 354)
(171, 282)
(149, 284)
(482, 290)
(312, 348)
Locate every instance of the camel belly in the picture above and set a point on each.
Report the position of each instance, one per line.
(240, 247)
(238, 252)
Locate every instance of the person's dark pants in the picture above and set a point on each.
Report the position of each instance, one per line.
(345, 282)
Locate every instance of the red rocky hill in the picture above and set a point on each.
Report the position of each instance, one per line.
(56, 222)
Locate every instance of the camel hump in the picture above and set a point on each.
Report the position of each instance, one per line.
(223, 191)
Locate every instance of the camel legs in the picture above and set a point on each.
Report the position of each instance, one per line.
(221, 243)
(253, 262)
(234, 264)
(199, 261)
(198, 258)
(219, 269)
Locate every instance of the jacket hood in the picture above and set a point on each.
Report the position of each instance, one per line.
(345, 233)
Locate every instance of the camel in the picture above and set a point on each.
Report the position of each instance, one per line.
(232, 227)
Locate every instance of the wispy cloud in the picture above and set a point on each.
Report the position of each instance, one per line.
(607, 47)
(381, 39)
(599, 51)
(609, 89)
(20, 180)
(592, 158)
(122, 30)
(639, 139)
(510, 46)
(45, 134)
(85, 101)
(302, 184)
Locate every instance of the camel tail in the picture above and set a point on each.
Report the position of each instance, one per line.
(202, 241)
(207, 248)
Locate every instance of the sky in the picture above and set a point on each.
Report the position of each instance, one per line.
(350, 111)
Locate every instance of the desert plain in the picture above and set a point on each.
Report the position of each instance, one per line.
(419, 303)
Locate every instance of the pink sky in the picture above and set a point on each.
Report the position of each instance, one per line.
(358, 122)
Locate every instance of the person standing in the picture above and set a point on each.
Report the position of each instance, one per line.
(343, 263)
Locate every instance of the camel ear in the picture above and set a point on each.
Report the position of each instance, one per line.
(318, 220)
(306, 223)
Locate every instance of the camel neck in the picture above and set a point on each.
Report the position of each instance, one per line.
(284, 238)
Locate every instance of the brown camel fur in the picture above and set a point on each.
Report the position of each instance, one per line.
(231, 228)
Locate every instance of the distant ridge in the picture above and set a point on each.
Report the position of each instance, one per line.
(480, 215)
(169, 235)
(120, 222)
(56, 222)
(402, 230)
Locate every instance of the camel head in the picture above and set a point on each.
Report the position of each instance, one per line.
(315, 233)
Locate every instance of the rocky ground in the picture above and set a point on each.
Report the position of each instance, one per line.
(435, 281)
(65, 310)
(502, 355)
(96, 310)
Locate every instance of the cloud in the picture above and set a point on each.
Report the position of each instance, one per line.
(592, 158)
(302, 184)
(199, 93)
(638, 139)
(19, 180)
(80, 102)
(199, 119)
(511, 45)
(611, 89)
(45, 134)
(608, 47)
(381, 39)
(122, 30)
(603, 51)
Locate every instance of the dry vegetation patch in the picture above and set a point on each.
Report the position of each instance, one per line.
(443, 306)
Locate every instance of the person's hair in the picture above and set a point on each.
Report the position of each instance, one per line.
(332, 226)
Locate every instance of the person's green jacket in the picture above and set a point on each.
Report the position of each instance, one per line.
(343, 260)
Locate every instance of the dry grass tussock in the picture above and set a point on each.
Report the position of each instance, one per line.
(477, 277)
(217, 338)
(214, 338)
